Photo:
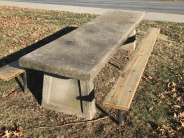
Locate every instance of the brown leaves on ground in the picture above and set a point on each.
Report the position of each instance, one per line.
(127, 57)
(8, 132)
(171, 84)
(13, 93)
(19, 31)
(145, 77)
(4, 95)
(180, 116)
(165, 131)
(172, 90)
(174, 98)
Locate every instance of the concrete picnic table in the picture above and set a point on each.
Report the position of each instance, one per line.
(71, 62)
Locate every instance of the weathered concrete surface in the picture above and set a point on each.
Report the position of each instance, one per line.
(82, 53)
(130, 43)
(69, 96)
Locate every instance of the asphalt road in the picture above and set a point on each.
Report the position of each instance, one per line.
(148, 6)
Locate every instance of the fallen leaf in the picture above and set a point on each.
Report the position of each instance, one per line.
(158, 106)
(7, 134)
(144, 77)
(154, 132)
(171, 133)
(158, 94)
(155, 99)
(162, 95)
(168, 85)
(173, 90)
(150, 78)
(173, 84)
(16, 134)
(179, 98)
(158, 79)
(175, 115)
(1, 134)
(172, 63)
(165, 127)
(182, 123)
(36, 41)
(181, 115)
(159, 103)
(168, 102)
(178, 127)
(4, 95)
(127, 57)
(174, 95)
(15, 94)
(20, 131)
(166, 92)
(176, 106)
(151, 108)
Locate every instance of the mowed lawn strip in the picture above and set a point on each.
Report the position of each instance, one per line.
(156, 110)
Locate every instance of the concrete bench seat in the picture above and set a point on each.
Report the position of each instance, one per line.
(122, 93)
(71, 62)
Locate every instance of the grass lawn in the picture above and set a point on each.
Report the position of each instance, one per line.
(157, 109)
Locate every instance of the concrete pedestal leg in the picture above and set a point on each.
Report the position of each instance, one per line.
(68, 95)
(130, 44)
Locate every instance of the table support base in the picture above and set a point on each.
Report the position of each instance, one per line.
(68, 95)
(130, 43)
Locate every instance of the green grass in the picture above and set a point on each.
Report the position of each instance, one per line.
(153, 112)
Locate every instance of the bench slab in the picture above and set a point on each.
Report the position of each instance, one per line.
(82, 53)
(11, 70)
(122, 93)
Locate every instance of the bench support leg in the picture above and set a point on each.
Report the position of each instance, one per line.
(69, 96)
(25, 81)
(120, 117)
(130, 43)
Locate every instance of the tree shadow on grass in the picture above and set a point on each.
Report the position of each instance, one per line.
(34, 77)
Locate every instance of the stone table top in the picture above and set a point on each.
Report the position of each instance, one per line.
(82, 53)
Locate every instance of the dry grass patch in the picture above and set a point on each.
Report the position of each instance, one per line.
(157, 108)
